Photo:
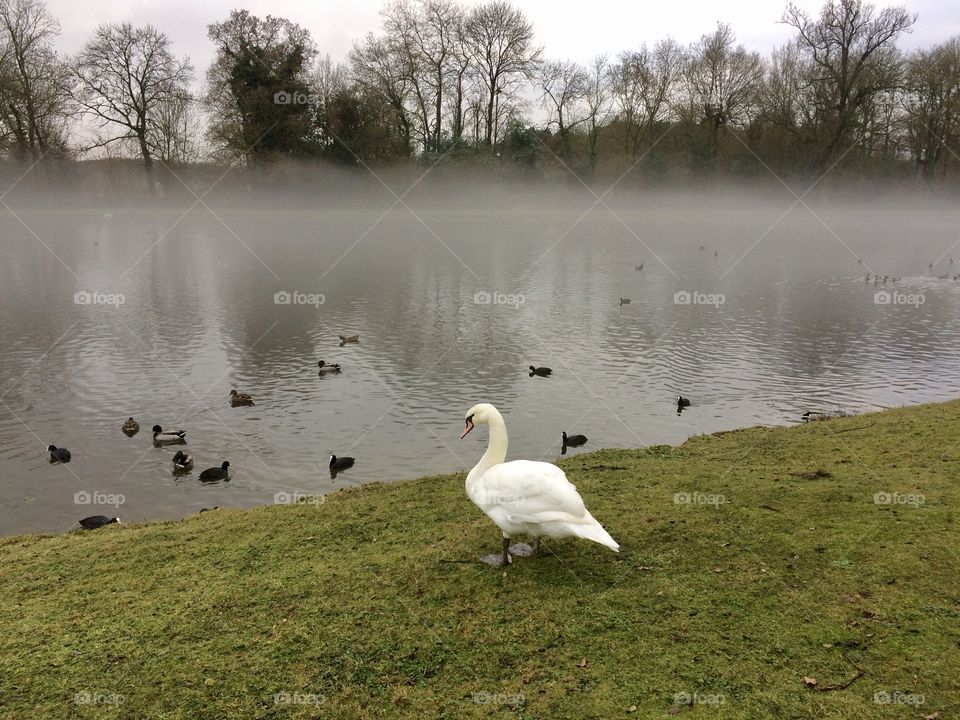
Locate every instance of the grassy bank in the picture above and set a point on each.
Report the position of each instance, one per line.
(774, 564)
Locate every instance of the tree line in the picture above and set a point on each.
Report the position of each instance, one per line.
(440, 82)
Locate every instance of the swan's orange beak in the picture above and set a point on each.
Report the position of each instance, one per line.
(468, 428)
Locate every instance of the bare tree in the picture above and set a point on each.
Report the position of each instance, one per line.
(642, 84)
(501, 42)
(33, 81)
(596, 98)
(126, 77)
(724, 80)
(932, 104)
(563, 85)
(177, 124)
(459, 77)
(378, 70)
(852, 46)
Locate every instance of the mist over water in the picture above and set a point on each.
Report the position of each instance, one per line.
(453, 297)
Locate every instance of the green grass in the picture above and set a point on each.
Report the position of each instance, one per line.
(371, 604)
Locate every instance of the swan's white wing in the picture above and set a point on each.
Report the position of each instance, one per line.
(535, 498)
(531, 492)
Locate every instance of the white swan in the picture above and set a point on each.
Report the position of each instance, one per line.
(525, 497)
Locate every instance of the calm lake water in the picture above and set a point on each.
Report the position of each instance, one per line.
(451, 306)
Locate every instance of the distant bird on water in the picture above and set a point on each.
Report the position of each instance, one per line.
(324, 368)
(168, 437)
(571, 441)
(344, 339)
(682, 403)
(182, 462)
(639, 267)
(238, 398)
(61, 455)
(130, 427)
(220, 473)
(341, 463)
(540, 371)
(624, 301)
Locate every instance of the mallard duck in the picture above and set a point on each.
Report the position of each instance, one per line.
(324, 368)
(540, 371)
(131, 427)
(168, 437)
(220, 473)
(182, 462)
(61, 455)
(239, 398)
(98, 521)
(344, 339)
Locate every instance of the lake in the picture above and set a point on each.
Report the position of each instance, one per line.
(158, 312)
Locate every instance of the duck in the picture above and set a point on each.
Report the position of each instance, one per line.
(573, 440)
(238, 398)
(220, 473)
(98, 521)
(341, 463)
(130, 427)
(682, 403)
(540, 371)
(168, 437)
(61, 455)
(182, 462)
(813, 415)
(324, 368)
(525, 497)
(639, 268)
(344, 339)
(625, 301)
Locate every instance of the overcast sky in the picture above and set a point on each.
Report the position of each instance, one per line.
(566, 29)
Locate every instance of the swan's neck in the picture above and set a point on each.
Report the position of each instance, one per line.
(496, 450)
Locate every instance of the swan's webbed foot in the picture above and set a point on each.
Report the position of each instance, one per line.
(522, 550)
(501, 560)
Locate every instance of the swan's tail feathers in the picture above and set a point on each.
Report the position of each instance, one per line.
(594, 531)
